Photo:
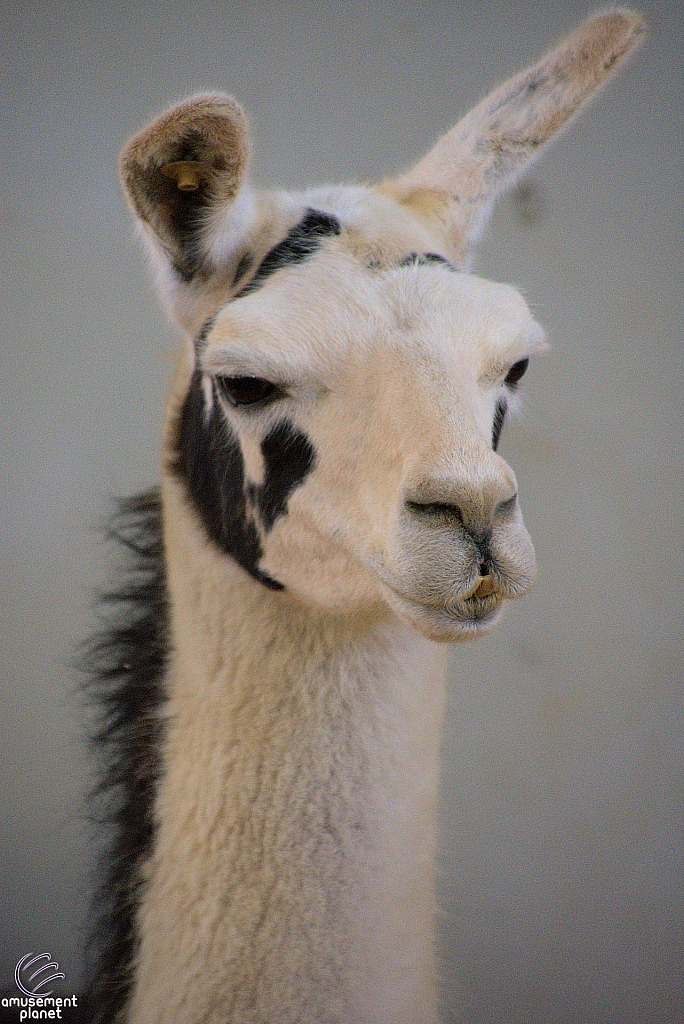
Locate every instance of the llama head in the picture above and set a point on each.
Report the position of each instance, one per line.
(335, 421)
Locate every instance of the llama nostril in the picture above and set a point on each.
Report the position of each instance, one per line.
(476, 512)
(506, 507)
(436, 510)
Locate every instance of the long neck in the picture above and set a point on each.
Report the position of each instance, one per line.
(292, 876)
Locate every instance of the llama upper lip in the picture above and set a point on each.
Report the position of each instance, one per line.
(482, 587)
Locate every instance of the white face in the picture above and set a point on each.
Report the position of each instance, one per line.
(363, 403)
(336, 433)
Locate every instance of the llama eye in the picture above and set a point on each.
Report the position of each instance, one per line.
(516, 372)
(243, 391)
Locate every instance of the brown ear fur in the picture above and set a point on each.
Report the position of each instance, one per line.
(209, 130)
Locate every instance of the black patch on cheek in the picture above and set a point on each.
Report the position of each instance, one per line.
(289, 457)
(208, 459)
(499, 417)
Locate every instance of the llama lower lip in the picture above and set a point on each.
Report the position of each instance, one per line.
(474, 609)
(458, 620)
(474, 604)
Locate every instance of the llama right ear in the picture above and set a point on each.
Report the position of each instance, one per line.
(184, 175)
(483, 155)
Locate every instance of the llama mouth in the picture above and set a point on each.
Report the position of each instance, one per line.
(474, 608)
(458, 620)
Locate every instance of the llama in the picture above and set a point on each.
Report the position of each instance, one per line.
(333, 510)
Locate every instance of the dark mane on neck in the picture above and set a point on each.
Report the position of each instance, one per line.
(124, 665)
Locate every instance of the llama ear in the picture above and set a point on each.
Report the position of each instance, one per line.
(486, 151)
(184, 175)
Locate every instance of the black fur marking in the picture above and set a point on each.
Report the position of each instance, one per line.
(209, 461)
(499, 417)
(289, 457)
(244, 264)
(423, 259)
(125, 666)
(299, 244)
(202, 336)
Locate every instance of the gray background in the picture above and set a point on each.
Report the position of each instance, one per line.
(561, 866)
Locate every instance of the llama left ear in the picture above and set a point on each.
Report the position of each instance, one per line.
(184, 175)
(490, 147)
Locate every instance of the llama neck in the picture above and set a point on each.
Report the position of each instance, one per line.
(292, 876)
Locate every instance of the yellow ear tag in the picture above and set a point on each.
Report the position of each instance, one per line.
(186, 173)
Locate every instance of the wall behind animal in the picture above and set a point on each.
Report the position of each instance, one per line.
(561, 885)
